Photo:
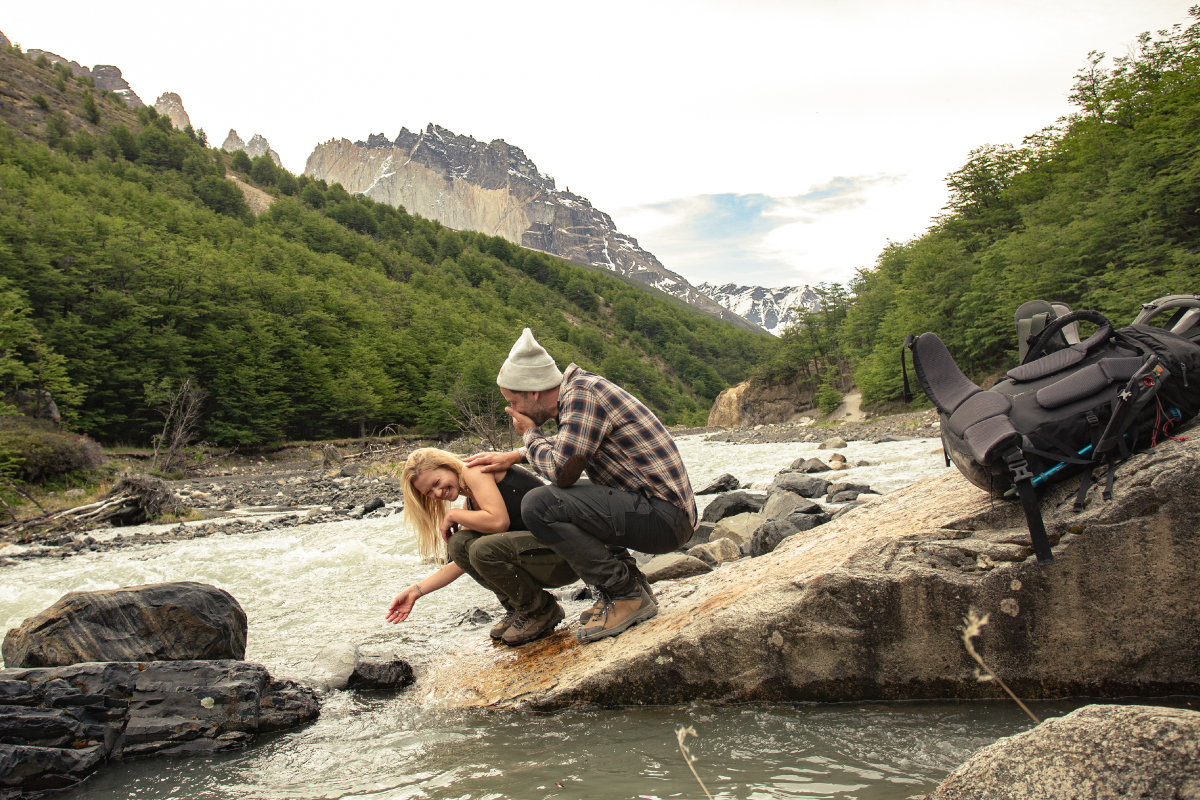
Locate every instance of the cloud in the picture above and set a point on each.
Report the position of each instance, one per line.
(752, 238)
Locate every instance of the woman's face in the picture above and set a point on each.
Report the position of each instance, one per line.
(438, 484)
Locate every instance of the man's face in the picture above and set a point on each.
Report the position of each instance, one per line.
(531, 404)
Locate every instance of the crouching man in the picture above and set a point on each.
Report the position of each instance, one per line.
(638, 494)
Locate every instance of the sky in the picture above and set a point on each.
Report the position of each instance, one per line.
(758, 142)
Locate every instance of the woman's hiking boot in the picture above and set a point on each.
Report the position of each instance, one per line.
(527, 627)
(618, 614)
(497, 631)
(598, 606)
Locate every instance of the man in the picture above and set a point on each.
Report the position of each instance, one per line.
(639, 495)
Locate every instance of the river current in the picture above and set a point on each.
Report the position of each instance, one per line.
(308, 586)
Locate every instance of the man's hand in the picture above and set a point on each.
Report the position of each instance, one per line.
(493, 462)
(521, 422)
(402, 606)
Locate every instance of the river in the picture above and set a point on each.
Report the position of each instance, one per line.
(305, 587)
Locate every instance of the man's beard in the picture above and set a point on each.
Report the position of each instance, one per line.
(539, 414)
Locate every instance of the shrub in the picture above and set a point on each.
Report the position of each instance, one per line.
(41, 102)
(41, 452)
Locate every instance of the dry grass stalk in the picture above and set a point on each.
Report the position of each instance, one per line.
(680, 735)
(973, 626)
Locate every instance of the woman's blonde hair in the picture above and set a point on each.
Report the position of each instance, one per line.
(423, 513)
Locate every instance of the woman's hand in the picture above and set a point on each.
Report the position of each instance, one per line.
(449, 524)
(402, 606)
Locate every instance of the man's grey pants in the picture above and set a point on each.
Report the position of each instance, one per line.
(592, 526)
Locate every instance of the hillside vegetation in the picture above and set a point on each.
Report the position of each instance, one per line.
(1101, 211)
(130, 263)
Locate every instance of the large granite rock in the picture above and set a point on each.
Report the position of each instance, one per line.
(158, 622)
(870, 606)
(752, 403)
(769, 535)
(57, 725)
(1093, 752)
(494, 188)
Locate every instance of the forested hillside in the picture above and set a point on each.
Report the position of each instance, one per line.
(129, 263)
(1099, 211)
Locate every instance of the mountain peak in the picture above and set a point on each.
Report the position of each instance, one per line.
(497, 189)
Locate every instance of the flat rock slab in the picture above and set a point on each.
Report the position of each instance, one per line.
(1093, 752)
(870, 606)
(180, 621)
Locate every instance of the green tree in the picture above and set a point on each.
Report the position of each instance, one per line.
(241, 162)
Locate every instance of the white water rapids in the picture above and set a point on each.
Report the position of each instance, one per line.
(307, 586)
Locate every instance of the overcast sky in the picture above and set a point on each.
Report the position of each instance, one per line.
(754, 142)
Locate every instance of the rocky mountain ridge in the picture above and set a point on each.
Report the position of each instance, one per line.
(254, 148)
(105, 76)
(170, 105)
(770, 309)
(493, 187)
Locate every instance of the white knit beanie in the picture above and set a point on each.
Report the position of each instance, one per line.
(528, 368)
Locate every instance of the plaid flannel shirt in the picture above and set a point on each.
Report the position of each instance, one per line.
(625, 444)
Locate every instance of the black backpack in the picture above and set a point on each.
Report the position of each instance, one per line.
(1070, 406)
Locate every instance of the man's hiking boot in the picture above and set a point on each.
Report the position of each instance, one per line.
(598, 606)
(527, 627)
(504, 624)
(618, 614)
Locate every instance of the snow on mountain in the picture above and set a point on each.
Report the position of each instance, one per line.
(768, 308)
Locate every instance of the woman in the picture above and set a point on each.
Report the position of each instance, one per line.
(486, 539)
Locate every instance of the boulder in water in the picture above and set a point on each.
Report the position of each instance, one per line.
(809, 465)
(781, 504)
(180, 621)
(60, 723)
(832, 444)
(380, 672)
(801, 484)
(1095, 751)
(725, 483)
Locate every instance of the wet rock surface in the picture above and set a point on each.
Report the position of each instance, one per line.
(870, 606)
(57, 725)
(1094, 752)
(180, 621)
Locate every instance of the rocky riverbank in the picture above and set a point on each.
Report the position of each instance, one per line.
(894, 428)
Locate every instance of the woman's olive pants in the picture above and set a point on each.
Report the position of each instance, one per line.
(514, 565)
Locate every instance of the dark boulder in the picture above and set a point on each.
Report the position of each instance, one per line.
(373, 504)
(731, 504)
(773, 531)
(181, 621)
(809, 465)
(69, 720)
(798, 482)
(725, 483)
(380, 672)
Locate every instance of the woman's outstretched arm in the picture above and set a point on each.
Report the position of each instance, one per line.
(402, 606)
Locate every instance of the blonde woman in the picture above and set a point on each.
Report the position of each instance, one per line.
(485, 539)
